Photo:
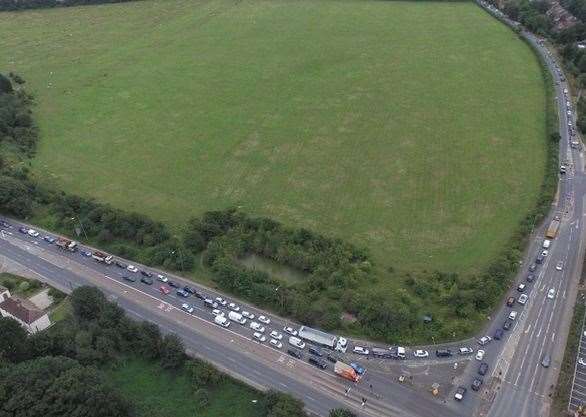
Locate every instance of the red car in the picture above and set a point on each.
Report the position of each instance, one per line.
(165, 290)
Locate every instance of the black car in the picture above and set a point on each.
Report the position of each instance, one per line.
(331, 358)
(476, 384)
(146, 280)
(443, 353)
(295, 353)
(498, 334)
(530, 277)
(4, 224)
(147, 273)
(317, 362)
(129, 278)
(172, 284)
(532, 268)
(199, 295)
(120, 264)
(507, 324)
(23, 230)
(189, 290)
(183, 293)
(315, 351)
(483, 368)
(539, 259)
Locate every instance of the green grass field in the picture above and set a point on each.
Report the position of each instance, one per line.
(416, 129)
(157, 393)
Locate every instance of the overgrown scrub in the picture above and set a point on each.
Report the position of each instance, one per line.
(15, 5)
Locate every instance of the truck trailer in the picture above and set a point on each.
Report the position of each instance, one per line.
(102, 257)
(66, 244)
(318, 337)
(346, 371)
(552, 230)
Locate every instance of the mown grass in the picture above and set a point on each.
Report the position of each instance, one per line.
(416, 129)
(158, 393)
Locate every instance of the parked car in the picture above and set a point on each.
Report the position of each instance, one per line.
(523, 299)
(221, 301)
(248, 315)
(264, 319)
(132, 268)
(217, 312)
(360, 350)
(208, 302)
(476, 384)
(443, 353)
(257, 327)
(276, 335)
(233, 307)
(276, 343)
(419, 353)
(465, 350)
(460, 392)
(259, 336)
(484, 340)
(498, 334)
(483, 368)
(479, 354)
(290, 330)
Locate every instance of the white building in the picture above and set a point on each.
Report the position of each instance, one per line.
(23, 311)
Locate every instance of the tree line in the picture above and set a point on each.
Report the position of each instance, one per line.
(57, 372)
(16, 5)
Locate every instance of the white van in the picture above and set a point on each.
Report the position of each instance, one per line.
(512, 315)
(297, 342)
(237, 317)
(546, 243)
(222, 321)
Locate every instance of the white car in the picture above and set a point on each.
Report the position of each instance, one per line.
(221, 301)
(132, 268)
(421, 353)
(512, 315)
(217, 312)
(297, 342)
(551, 294)
(187, 308)
(582, 362)
(290, 330)
(248, 315)
(479, 354)
(523, 299)
(162, 278)
(569, 113)
(33, 233)
(484, 340)
(264, 319)
(465, 350)
(544, 253)
(260, 337)
(360, 350)
(233, 307)
(256, 326)
(276, 335)
(276, 343)
(559, 266)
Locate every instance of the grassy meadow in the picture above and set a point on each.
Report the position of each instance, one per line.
(416, 129)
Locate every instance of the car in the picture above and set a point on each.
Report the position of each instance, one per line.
(443, 353)
(187, 307)
(129, 278)
(172, 284)
(248, 315)
(314, 351)
(85, 253)
(257, 326)
(551, 293)
(208, 302)
(532, 268)
(146, 280)
(276, 343)
(342, 344)
(460, 392)
(264, 319)
(276, 335)
(290, 330)
(332, 358)
(523, 299)
(120, 264)
(162, 278)
(512, 315)
(582, 362)
(49, 239)
(546, 360)
(217, 312)
(510, 301)
(259, 336)
(164, 289)
(360, 370)
(5, 224)
(199, 295)
(544, 252)
(521, 287)
(182, 293)
(33, 233)
(317, 362)
(295, 353)
(297, 342)
(234, 307)
(559, 266)
(465, 350)
(188, 289)
(132, 268)
(530, 277)
(360, 350)
(484, 340)
(221, 301)
(563, 169)
(507, 324)
(146, 273)
(479, 354)
(483, 368)
(539, 259)
(419, 353)
(569, 113)
(476, 384)
(498, 334)
(23, 230)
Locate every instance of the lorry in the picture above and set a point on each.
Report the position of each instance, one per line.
(237, 317)
(317, 337)
(552, 230)
(103, 257)
(346, 371)
(66, 244)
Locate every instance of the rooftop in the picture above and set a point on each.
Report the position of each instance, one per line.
(21, 309)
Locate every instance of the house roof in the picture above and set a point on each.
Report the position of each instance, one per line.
(21, 309)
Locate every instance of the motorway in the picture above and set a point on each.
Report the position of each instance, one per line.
(517, 384)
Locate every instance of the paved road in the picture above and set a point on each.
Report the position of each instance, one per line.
(578, 393)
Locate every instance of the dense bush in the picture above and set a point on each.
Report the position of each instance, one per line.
(13, 5)
(16, 123)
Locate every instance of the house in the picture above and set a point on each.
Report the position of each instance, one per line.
(24, 312)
